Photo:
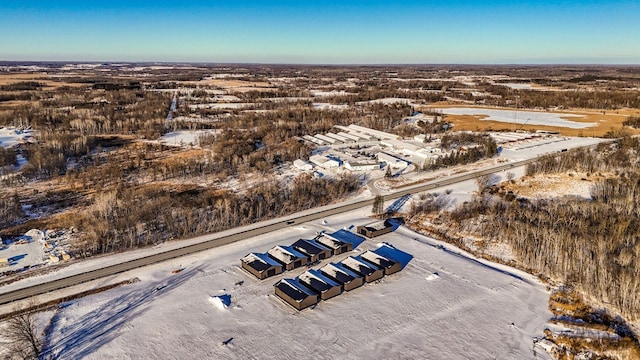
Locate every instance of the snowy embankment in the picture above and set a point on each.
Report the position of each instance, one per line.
(442, 305)
(11, 137)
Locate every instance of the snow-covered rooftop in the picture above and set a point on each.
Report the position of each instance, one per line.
(286, 254)
(259, 261)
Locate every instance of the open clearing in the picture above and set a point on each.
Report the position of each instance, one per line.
(442, 305)
(476, 120)
(520, 117)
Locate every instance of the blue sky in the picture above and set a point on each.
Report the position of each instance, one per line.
(320, 32)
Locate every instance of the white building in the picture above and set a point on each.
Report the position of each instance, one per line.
(377, 133)
(349, 136)
(329, 140)
(394, 162)
(361, 165)
(401, 146)
(324, 162)
(302, 165)
(339, 138)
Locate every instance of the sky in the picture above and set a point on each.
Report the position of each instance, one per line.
(323, 31)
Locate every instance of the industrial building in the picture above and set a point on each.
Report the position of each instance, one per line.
(314, 140)
(375, 133)
(324, 162)
(363, 165)
(394, 162)
(342, 139)
(328, 140)
(350, 136)
(302, 165)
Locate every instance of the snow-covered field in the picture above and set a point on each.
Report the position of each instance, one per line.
(388, 101)
(184, 137)
(521, 117)
(329, 93)
(443, 305)
(328, 106)
(10, 136)
(221, 106)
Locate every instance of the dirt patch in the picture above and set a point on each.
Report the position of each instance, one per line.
(553, 185)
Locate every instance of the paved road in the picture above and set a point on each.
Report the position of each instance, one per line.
(261, 228)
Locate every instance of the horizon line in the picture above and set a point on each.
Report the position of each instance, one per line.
(111, 62)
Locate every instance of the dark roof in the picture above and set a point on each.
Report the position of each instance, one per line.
(390, 252)
(294, 289)
(339, 273)
(331, 242)
(260, 262)
(377, 259)
(285, 254)
(349, 237)
(360, 266)
(309, 247)
(317, 281)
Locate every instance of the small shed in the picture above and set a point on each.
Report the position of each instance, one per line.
(367, 270)
(321, 284)
(375, 229)
(261, 265)
(349, 279)
(389, 266)
(288, 257)
(295, 293)
(314, 250)
(337, 246)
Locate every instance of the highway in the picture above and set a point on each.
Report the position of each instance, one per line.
(261, 228)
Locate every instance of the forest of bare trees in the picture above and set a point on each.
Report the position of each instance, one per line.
(589, 244)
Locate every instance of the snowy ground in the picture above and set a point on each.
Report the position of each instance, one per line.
(443, 305)
(19, 255)
(527, 86)
(10, 136)
(328, 106)
(521, 117)
(388, 101)
(184, 137)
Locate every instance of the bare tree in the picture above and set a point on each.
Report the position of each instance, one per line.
(24, 334)
(484, 182)
(378, 205)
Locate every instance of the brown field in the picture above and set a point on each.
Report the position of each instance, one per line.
(7, 79)
(235, 85)
(606, 121)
